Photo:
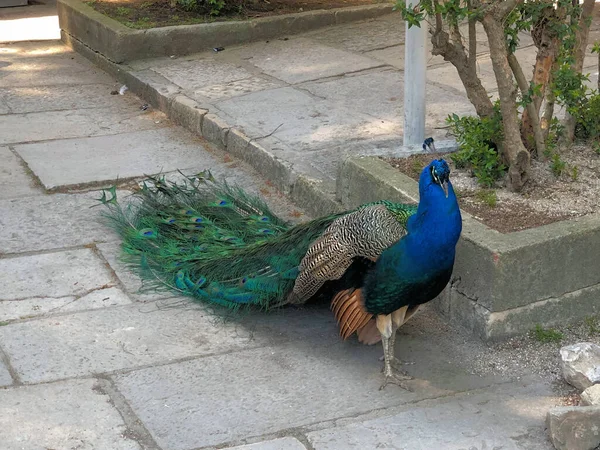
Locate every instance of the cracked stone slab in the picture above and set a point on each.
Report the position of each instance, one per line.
(105, 158)
(41, 126)
(42, 306)
(47, 222)
(51, 98)
(510, 417)
(304, 123)
(62, 274)
(286, 443)
(14, 179)
(117, 338)
(65, 415)
(301, 59)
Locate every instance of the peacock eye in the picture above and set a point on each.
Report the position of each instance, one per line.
(435, 177)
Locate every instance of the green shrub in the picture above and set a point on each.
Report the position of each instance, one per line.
(477, 140)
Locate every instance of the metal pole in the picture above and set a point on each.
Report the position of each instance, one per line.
(415, 78)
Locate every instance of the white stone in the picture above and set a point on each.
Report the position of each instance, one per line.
(591, 396)
(581, 364)
(574, 427)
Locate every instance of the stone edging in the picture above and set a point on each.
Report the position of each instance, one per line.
(119, 43)
(307, 193)
(503, 284)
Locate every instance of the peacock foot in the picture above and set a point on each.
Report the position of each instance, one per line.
(397, 364)
(398, 379)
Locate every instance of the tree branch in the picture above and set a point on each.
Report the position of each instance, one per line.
(538, 135)
(472, 40)
(501, 9)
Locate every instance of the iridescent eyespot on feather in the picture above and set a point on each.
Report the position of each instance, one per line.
(264, 219)
(265, 231)
(170, 220)
(147, 233)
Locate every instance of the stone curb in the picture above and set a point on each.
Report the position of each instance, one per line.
(120, 43)
(557, 279)
(307, 193)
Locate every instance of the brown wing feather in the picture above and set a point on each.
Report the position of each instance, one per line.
(365, 232)
(349, 311)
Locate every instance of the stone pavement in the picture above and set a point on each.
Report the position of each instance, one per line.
(87, 361)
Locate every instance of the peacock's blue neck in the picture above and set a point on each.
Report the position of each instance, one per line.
(433, 232)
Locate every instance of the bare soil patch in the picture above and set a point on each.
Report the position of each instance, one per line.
(143, 14)
(546, 198)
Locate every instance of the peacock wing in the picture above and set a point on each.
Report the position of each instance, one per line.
(365, 233)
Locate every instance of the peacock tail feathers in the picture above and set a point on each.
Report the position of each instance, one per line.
(210, 240)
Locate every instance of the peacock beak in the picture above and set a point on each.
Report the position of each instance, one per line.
(445, 187)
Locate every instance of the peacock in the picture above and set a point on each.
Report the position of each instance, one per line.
(375, 264)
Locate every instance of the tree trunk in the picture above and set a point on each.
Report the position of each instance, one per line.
(546, 41)
(455, 54)
(514, 152)
(538, 135)
(582, 37)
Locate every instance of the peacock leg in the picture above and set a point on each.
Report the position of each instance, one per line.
(398, 318)
(385, 327)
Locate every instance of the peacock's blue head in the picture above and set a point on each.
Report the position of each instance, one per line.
(437, 173)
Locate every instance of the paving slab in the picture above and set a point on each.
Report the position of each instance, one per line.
(15, 181)
(5, 378)
(362, 36)
(314, 377)
(48, 222)
(446, 75)
(65, 415)
(304, 122)
(301, 59)
(287, 443)
(52, 98)
(394, 56)
(380, 94)
(64, 124)
(225, 398)
(200, 73)
(59, 65)
(117, 338)
(510, 417)
(73, 272)
(43, 306)
(90, 160)
(235, 88)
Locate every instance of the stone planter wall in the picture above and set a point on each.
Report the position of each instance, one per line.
(119, 43)
(503, 284)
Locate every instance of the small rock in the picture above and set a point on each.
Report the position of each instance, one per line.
(580, 364)
(591, 396)
(574, 427)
